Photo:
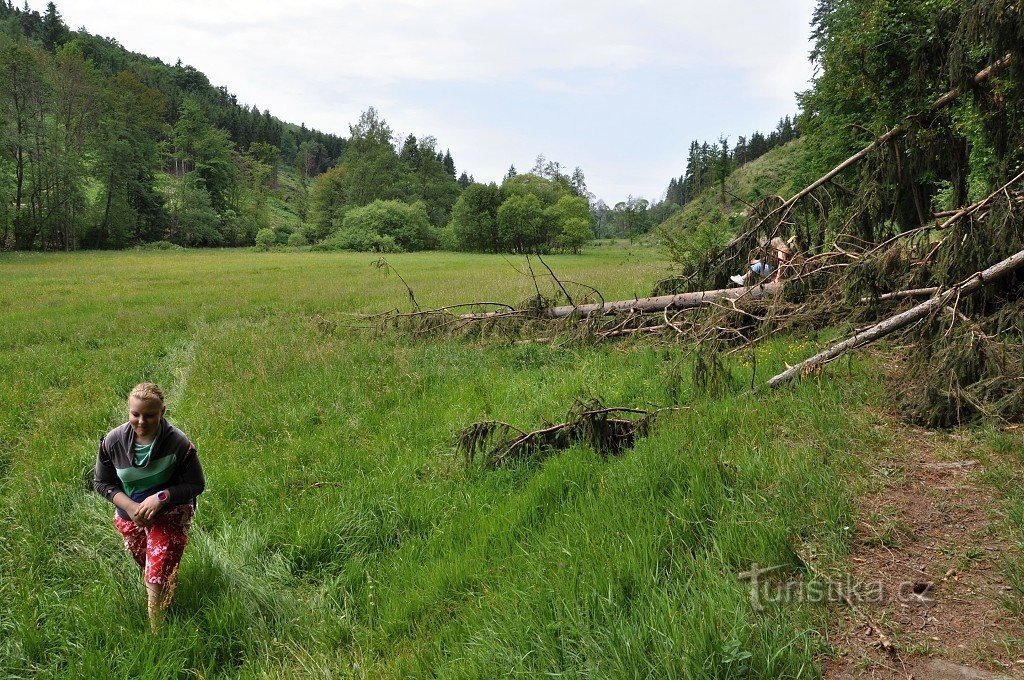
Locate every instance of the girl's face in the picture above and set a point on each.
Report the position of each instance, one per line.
(144, 416)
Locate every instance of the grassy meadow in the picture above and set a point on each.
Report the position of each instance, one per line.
(341, 536)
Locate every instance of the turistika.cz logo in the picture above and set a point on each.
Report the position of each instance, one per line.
(765, 589)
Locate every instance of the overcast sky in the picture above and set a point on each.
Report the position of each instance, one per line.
(617, 88)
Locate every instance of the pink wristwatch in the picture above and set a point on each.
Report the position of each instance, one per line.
(163, 496)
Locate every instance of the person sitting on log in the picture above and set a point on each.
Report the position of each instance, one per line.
(767, 265)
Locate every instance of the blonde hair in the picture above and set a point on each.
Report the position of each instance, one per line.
(782, 246)
(147, 391)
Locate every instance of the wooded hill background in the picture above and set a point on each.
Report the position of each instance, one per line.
(106, 148)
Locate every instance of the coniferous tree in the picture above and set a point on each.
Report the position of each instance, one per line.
(53, 32)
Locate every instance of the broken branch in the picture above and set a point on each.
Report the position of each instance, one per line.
(902, 320)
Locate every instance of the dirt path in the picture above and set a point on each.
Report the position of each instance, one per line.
(928, 550)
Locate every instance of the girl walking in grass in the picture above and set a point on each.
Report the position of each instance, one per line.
(150, 471)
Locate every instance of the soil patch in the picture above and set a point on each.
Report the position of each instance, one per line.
(927, 552)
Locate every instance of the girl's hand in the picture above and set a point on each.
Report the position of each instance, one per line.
(147, 511)
(136, 515)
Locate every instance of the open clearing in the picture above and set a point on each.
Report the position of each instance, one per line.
(341, 536)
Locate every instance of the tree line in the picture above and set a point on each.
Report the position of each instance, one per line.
(421, 205)
(709, 164)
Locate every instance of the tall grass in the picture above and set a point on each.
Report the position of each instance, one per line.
(341, 536)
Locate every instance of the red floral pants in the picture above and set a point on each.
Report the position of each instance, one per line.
(157, 549)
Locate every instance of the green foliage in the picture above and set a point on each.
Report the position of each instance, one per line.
(129, 110)
(44, 102)
(571, 216)
(128, 158)
(521, 224)
(576, 232)
(357, 240)
(374, 171)
(546, 191)
(475, 218)
(206, 151)
(689, 246)
(708, 165)
(327, 201)
(53, 31)
(569, 207)
(881, 61)
(406, 225)
(705, 224)
(265, 239)
(428, 178)
(528, 213)
(194, 221)
(159, 245)
(296, 240)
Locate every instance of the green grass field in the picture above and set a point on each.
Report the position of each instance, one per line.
(341, 536)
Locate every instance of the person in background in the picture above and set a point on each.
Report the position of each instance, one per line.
(150, 471)
(776, 254)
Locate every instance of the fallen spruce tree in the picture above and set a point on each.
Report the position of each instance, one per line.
(964, 354)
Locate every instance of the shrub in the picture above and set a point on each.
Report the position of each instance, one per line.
(282, 234)
(407, 225)
(159, 245)
(447, 240)
(521, 224)
(360, 241)
(474, 223)
(576, 233)
(265, 239)
(297, 240)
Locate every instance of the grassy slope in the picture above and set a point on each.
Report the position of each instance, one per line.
(771, 174)
(340, 535)
(283, 202)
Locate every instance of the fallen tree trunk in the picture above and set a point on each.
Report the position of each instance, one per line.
(498, 443)
(650, 304)
(902, 320)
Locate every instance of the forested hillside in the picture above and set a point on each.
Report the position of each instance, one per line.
(708, 165)
(715, 213)
(106, 148)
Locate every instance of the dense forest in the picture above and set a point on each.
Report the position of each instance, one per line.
(884, 64)
(104, 148)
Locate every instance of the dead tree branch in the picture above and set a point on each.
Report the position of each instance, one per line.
(498, 443)
(902, 320)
